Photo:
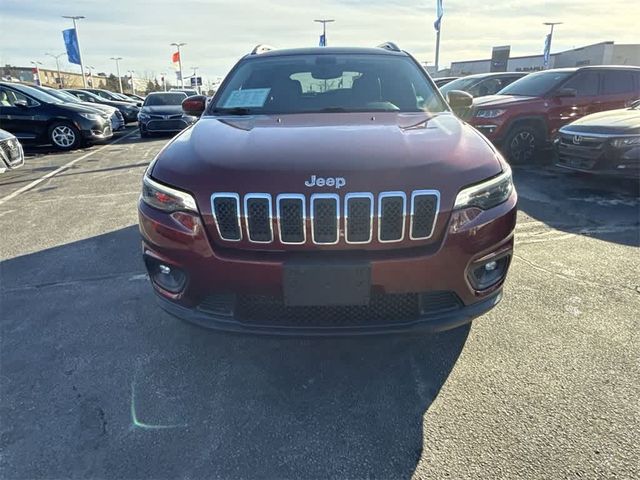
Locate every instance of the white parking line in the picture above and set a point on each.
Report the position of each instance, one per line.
(61, 169)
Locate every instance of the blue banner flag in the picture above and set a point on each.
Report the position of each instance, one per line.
(323, 41)
(547, 50)
(439, 14)
(71, 44)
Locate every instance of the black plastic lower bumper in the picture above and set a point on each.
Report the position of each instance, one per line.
(427, 323)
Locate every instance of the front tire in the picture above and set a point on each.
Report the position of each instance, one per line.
(521, 144)
(144, 133)
(64, 136)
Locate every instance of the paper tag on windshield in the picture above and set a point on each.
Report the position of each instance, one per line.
(250, 97)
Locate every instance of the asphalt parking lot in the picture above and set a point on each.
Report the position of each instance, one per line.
(97, 382)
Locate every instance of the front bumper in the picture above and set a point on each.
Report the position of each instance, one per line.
(130, 115)
(596, 155)
(97, 131)
(443, 267)
(158, 125)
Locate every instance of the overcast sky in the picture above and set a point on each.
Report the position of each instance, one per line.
(218, 32)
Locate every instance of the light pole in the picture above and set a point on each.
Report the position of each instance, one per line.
(133, 84)
(60, 81)
(36, 73)
(178, 45)
(324, 22)
(547, 49)
(117, 59)
(195, 76)
(91, 69)
(75, 27)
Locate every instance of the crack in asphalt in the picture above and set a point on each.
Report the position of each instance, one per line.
(609, 286)
(130, 276)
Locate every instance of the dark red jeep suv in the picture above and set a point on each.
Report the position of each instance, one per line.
(526, 115)
(328, 191)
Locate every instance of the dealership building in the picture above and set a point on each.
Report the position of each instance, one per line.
(603, 53)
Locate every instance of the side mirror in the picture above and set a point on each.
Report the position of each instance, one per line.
(195, 105)
(566, 92)
(459, 100)
(20, 104)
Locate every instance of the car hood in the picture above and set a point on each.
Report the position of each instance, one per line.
(162, 109)
(372, 152)
(78, 107)
(613, 121)
(501, 100)
(99, 107)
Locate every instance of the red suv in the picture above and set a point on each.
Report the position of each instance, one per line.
(328, 191)
(526, 115)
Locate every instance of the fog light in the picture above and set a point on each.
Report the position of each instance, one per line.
(167, 277)
(491, 266)
(488, 274)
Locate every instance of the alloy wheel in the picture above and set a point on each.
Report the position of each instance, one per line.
(522, 147)
(63, 136)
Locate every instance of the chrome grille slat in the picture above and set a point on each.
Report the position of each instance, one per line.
(258, 217)
(325, 218)
(226, 214)
(424, 206)
(395, 212)
(358, 217)
(392, 211)
(292, 218)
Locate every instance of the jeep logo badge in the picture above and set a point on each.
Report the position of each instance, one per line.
(315, 181)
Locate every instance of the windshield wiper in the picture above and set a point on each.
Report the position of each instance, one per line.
(232, 111)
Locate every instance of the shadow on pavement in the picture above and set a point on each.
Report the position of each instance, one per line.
(598, 207)
(97, 381)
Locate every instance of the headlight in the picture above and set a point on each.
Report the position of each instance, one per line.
(90, 116)
(626, 142)
(492, 113)
(487, 194)
(144, 116)
(166, 198)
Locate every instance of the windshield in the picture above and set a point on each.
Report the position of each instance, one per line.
(37, 94)
(535, 84)
(459, 84)
(327, 83)
(157, 99)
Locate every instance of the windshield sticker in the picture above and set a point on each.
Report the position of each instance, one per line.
(250, 97)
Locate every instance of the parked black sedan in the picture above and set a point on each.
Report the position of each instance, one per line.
(35, 116)
(606, 143)
(162, 113)
(129, 110)
(116, 118)
(11, 154)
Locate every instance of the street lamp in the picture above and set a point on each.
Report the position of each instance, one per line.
(91, 69)
(324, 22)
(195, 76)
(547, 49)
(36, 74)
(117, 59)
(178, 45)
(133, 84)
(75, 27)
(163, 75)
(60, 81)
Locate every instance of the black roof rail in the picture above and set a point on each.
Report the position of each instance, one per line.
(389, 46)
(261, 49)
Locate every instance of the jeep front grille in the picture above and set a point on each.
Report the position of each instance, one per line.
(285, 220)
